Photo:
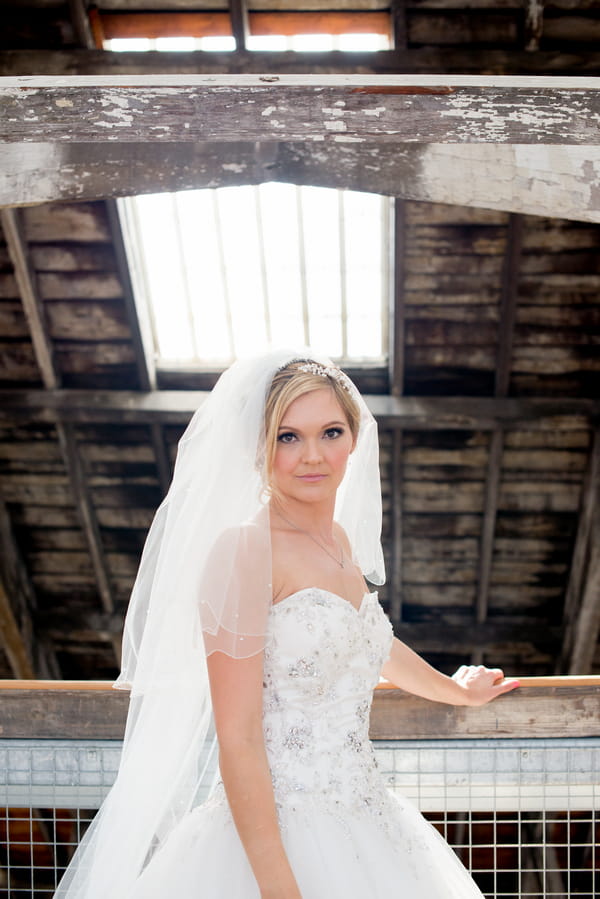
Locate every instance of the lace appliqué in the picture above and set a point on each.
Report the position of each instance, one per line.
(321, 666)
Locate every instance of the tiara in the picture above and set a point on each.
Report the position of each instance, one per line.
(326, 371)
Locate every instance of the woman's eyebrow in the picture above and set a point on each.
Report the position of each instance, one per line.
(329, 424)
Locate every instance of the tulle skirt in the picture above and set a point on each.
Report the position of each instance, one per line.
(334, 854)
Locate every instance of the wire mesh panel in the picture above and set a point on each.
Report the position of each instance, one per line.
(523, 815)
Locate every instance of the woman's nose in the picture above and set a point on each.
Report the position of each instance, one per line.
(312, 451)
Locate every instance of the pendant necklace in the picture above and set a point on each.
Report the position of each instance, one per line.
(339, 561)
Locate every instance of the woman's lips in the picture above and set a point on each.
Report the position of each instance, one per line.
(311, 478)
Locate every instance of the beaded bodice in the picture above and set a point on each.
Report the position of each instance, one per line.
(321, 665)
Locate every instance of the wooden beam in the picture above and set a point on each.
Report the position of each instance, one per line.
(550, 181)
(25, 277)
(509, 298)
(534, 24)
(397, 573)
(399, 24)
(71, 710)
(397, 310)
(81, 24)
(137, 314)
(87, 514)
(238, 13)
(414, 413)
(581, 621)
(163, 464)
(11, 639)
(508, 313)
(587, 628)
(330, 108)
(14, 235)
(17, 602)
(433, 60)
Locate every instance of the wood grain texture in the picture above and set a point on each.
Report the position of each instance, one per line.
(338, 109)
(86, 711)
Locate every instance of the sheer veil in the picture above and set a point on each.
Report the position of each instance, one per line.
(204, 584)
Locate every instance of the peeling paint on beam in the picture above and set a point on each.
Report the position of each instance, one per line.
(557, 181)
(425, 109)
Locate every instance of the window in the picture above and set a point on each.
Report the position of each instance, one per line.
(229, 271)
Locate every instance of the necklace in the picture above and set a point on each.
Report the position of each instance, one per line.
(339, 561)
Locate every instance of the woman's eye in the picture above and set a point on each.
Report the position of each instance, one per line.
(332, 433)
(286, 437)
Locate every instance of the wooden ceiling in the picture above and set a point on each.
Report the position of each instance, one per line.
(488, 409)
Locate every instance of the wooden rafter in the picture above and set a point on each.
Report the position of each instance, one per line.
(32, 306)
(508, 311)
(17, 603)
(414, 413)
(582, 598)
(13, 643)
(434, 60)
(338, 109)
(396, 579)
(26, 281)
(551, 181)
(81, 23)
(240, 28)
(137, 318)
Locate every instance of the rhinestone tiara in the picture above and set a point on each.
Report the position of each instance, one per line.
(325, 371)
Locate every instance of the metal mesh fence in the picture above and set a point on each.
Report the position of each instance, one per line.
(523, 815)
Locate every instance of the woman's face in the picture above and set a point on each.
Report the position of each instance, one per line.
(313, 444)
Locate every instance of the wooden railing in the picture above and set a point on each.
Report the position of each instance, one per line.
(541, 707)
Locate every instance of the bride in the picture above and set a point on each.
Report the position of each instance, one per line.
(251, 609)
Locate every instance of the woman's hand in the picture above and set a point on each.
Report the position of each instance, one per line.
(480, 684)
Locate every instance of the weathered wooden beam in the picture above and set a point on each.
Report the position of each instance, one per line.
(137, 314)
(561, 182)
(17, 602)
(92, 710)
(81, 24)
(319, 108)
(87, 514)
(25, 277)
(11, 639)
(508, 313)
(240, 28)
(582, 599)
(433, 60)
(397, 316)
(14, 235)
(534, 24)
(509, 297)
(397, 523)
(163, 465)
(177, 407)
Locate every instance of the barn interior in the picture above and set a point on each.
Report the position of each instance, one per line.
(485, 383)
(486, 387)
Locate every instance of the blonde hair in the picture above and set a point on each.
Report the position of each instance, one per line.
(297, 378)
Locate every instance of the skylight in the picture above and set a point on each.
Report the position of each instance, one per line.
(232, 270)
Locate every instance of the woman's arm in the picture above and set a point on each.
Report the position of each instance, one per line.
(470, 685)
(236, 689)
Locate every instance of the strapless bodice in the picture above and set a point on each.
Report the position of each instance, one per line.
(322, 662)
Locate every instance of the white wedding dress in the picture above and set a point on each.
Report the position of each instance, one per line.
(346, 835)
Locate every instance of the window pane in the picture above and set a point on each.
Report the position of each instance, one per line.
(230, 271)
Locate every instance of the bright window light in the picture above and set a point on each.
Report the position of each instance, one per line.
(181, 44)
(230, 271)
(301, 43)
(125, 44)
